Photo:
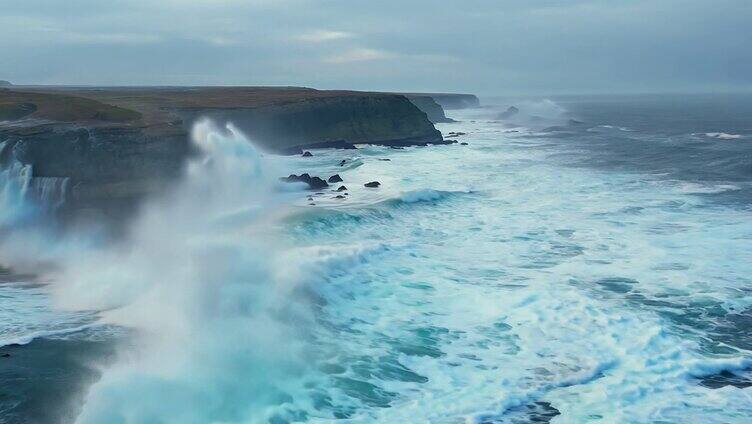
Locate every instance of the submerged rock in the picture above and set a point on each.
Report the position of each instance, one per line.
(342, 188)
(372, 184)
(334, 179)
(339, 196)
(342, 162)
(314, 183)
(307, 154)
(463, 144)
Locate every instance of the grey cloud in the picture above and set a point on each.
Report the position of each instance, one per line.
(483, 46)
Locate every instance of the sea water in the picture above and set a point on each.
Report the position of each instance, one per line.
(586, 260)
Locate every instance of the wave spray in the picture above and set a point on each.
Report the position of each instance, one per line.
(216, 322)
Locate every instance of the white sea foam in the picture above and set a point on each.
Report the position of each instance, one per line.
(543, 289)
(703, 188)
(723, 135)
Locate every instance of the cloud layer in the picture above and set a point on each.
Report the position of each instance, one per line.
(484, 46)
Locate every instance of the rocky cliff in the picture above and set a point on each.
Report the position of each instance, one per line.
(450, 101)
(112, 146)
(356, 119)
(428, 105)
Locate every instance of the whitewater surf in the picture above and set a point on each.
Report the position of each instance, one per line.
(571, 263)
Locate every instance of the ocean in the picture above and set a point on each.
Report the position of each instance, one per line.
(583, 260)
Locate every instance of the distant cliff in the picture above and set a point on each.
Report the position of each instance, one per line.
(450, 101)
(113, 146)
(428, 105)
(357, 119)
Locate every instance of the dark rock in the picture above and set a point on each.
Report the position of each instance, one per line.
(341, 188)
(510, 112)
(372, 184)
(317, 183)
(307, 154)
(339, 196)
(386, 160)
(334, 179)
(342, 162)
(314, 183)
(463, 144)
(312, 204)
(5, 355)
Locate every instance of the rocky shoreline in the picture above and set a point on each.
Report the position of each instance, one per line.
(109, 147)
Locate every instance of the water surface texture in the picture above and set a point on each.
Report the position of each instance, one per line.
(586, 260)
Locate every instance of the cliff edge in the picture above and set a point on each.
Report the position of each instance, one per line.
(109, 147)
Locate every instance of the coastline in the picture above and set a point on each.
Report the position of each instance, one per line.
(101, 150)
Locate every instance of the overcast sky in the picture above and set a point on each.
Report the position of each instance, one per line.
(487, 47)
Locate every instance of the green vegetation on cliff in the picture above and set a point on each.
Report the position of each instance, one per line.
(61, 108)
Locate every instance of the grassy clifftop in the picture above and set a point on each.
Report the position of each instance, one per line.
(16, 105)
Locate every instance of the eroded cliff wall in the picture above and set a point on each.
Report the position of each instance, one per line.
(115, 146)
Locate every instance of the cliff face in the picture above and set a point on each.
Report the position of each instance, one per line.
(106, 169)
(112, 147)
(428, 105)
(450, 101)
(365, 119)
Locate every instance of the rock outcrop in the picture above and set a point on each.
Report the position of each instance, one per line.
(314, 183)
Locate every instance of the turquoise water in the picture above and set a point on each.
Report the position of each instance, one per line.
(515, 279)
